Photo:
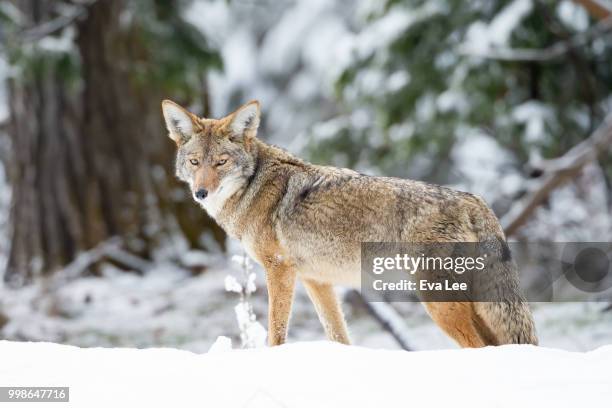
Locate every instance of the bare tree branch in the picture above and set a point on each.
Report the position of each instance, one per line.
(41, 30)
(51, 27)
(555, 51)
(558, 172)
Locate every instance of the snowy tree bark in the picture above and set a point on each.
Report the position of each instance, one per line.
(91, 163)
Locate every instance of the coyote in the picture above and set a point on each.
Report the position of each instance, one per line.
(307, 222)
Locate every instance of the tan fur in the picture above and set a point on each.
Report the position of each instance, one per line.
(281, 284)
(459, 321)
(300, 220)
(328, 308)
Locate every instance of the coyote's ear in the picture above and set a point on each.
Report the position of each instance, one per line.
(179, 121)
(245, 120)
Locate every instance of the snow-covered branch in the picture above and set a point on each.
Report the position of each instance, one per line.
(41, 30)
(558, 172)
(552, 52)
(51, 27)
(109, 250)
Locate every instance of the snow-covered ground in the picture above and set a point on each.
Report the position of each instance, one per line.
(168, 307)
(313, 374)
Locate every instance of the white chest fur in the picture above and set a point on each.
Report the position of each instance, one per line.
(214, 202)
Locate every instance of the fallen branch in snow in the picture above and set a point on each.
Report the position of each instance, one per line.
(85, 259)
(390, 320)
(558, 172)
(110, 249)
(540, 55)
(128, 259)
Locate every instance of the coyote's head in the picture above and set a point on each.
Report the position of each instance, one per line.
(214, 156)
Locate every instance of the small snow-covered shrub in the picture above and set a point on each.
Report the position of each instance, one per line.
(252, 333)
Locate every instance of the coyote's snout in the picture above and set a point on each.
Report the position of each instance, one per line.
(300, 220)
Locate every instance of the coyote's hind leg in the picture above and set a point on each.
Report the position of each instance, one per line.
(328, 308)
(460, 322)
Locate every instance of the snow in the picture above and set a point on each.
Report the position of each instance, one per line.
(239, 52)
(59, 44)
(313, 374)
(388, 28)
(221, 344)
(5, 188)
(481, 36)
(534, 115)
(282, 45)
(4, 74)
(507, 20)
(484, 167)
(573, 15)
(274, 54)
(210, 17)
(452, 99)
(397, 81)
(577, 212)
(455, 98)
(171, 308)
(166, 306)
(425, 107)
(252, 333)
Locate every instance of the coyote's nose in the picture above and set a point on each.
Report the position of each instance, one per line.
(201, 194)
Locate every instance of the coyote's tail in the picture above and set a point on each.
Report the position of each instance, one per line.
(502, 313)
(505, 323)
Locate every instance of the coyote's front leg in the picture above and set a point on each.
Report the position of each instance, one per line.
(281, 285)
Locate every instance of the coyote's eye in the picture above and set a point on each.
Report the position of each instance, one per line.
(195, 162)
(221, 162)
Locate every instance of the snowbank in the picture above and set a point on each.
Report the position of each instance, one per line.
(317, 374)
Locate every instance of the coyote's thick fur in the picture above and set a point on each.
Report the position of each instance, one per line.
(300, 220)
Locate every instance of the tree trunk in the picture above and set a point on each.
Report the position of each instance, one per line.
(92, 161)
